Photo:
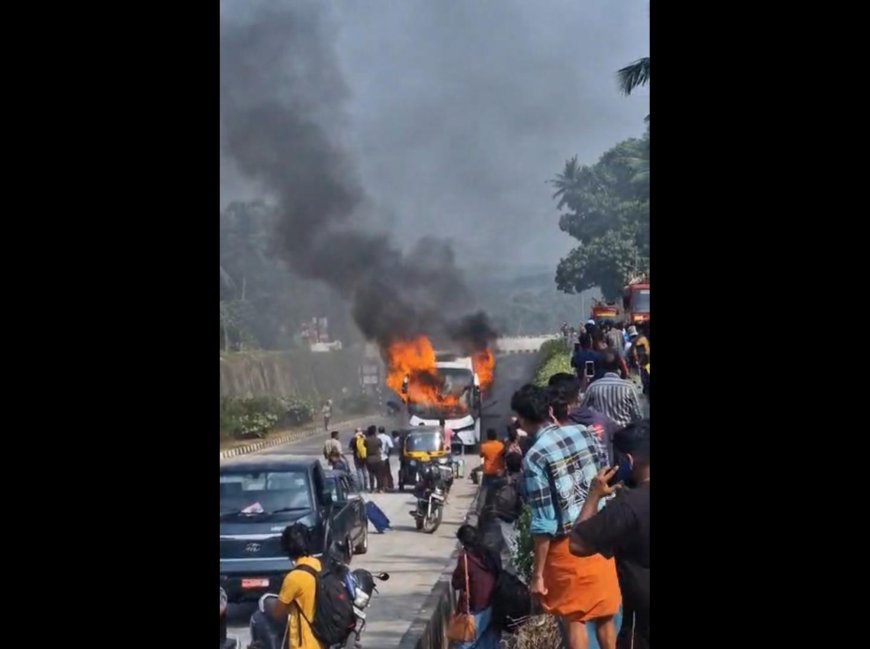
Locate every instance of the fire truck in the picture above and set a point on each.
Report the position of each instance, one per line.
(634, 308)
(635, 300)
(602, 311)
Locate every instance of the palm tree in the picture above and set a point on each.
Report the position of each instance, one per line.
(566, 181)
(639, 163)
(634, 76)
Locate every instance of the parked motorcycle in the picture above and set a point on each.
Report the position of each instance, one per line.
(266, 633)
(431, 491)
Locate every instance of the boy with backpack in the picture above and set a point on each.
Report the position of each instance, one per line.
(315, 604)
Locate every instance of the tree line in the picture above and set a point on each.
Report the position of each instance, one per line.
(606, 208)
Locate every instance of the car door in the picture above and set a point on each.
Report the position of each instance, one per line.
(342, 513)
(357, 506)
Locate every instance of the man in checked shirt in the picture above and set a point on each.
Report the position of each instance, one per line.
(558, 470)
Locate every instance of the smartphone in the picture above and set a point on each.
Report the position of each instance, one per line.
(590, 369)
(615, 479)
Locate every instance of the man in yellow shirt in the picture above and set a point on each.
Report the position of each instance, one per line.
(298, 589)
(641, 344)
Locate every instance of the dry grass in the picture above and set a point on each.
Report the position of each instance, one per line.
(540, 632)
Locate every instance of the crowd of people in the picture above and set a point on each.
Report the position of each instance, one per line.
(576, 455)
(371, 451)
(612, 348)
(580, 462)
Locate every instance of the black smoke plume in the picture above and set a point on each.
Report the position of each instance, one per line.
(282, 97)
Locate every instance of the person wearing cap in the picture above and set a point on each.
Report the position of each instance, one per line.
(631, 335)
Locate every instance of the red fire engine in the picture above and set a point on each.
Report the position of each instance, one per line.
(635, 300)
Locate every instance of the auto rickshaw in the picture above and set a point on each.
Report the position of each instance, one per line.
(419, 445)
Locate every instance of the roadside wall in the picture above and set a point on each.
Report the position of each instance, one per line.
(318, 375)
(284, 374)
(429, 629)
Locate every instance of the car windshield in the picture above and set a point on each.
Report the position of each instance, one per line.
(258, 493)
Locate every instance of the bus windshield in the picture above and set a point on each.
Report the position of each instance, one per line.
(454, 398)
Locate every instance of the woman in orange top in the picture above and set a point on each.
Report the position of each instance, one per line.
(492, 452)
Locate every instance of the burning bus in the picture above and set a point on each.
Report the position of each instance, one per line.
(441, 386)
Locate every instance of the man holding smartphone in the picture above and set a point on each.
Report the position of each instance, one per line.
(585, 361)
(622, 529)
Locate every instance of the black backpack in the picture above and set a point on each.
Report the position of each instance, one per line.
(506, 500)
(333, 610)
(511, 602)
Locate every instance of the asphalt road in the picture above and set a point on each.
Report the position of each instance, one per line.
(413, 559)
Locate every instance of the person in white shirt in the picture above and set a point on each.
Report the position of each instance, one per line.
(386, 449)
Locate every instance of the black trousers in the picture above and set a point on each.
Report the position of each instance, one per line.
(374, 468)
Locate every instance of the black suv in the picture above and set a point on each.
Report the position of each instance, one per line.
(260, 496)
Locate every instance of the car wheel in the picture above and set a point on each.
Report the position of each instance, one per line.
(363, 547)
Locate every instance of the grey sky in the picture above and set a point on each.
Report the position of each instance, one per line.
(460, 110)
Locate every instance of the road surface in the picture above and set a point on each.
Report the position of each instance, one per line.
(413, 559)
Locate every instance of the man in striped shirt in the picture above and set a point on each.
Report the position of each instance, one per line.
(612, 396)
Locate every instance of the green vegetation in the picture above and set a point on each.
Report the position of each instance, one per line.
(256, 417)
(634, 76)
(525, 550)
(555, 357)
(608, 213)
(524, 300)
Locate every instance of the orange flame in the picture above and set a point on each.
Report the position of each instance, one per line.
(415, 359)
(409, 358)
(484, 364)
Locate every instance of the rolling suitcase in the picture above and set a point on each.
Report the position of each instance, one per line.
(377, 517)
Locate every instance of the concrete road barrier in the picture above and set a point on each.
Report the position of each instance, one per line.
(429, 628)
